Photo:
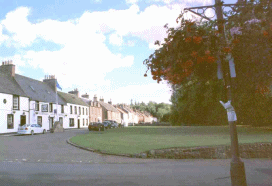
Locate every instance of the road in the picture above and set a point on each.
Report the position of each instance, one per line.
(49, 160)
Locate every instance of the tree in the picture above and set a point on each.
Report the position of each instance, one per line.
(187, 60)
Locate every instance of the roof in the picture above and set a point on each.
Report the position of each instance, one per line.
(108, 106)
(121, 110)
(37, 90)
(71, 98)
(87, 101)
(9, 85)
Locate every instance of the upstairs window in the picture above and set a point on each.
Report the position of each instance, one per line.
(15, 102)
(71, 109)
(79, 110)
(37, 106)
(87, 111)
(62, 108)
(75, 110)
(83, 111)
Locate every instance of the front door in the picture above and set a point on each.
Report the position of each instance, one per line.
(78, 123)
(51, 121)
(23, 120)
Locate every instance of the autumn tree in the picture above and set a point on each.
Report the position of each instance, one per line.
(188, 60)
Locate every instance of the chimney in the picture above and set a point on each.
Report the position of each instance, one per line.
(8, 68)
(75, 92)
(95, 98)
(110, 102)
(85, 96)
(101, 99)
(51, 81)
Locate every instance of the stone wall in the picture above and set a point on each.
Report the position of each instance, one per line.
(253, 150)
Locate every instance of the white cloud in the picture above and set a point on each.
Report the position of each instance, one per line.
(132, 1)
(23, 32)
(84, 58)
(116, 39)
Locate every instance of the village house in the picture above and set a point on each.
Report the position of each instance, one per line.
(14, 103)
(78, 110)
(109, 112)
(124, 115)
(45, 105)
(35, 101)
(95, 109)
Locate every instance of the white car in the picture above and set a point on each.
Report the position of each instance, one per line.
(31, 129)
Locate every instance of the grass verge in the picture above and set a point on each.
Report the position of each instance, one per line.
(132, 140)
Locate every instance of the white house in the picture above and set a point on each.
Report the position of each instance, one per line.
(14, 103)
(78, 110)
(124, 116)
(43, 101)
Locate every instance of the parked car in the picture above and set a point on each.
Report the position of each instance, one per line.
(107, 124)
(31, 129)
(114, 124)
(96, 126)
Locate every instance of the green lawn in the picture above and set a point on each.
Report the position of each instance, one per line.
(132, 140)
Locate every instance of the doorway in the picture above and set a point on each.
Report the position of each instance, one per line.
(51, 121)
(23, 120)
(78, 123)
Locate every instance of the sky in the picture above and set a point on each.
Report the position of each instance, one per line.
(96, 46)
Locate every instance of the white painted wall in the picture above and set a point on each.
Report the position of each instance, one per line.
(7, 108)
(77, 116)
(125, 119)
(45, 115)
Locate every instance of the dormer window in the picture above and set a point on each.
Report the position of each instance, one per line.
(15, 102)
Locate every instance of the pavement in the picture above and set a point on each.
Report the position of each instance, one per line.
(49, 160)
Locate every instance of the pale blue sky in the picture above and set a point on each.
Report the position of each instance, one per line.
(97, 46)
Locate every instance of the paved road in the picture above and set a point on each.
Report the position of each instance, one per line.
(49, 160)
(52, 148)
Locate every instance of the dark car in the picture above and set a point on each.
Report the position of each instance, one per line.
(95, 126)
(113, 123)
(107, 124)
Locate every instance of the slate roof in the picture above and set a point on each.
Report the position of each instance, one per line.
(108, 106)
(38, 90)
(121, 110)
(8, 85)
(87, 101)
(71, 98)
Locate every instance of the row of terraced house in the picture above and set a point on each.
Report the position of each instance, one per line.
(26, 100)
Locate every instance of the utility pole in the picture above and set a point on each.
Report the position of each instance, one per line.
(237, 168)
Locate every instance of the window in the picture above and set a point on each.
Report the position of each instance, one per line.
(39, 120)
(87, 111)
(50, 107)
(62, 108)
(15, 102)
(79, 110)
(10, 124)
(75, 110)
(87, 122)
(83, 111)
(71, 110)
(37, 106)
(83, 122)
(71, 122)
(44, 107)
